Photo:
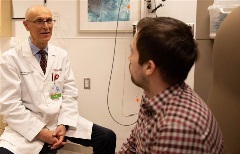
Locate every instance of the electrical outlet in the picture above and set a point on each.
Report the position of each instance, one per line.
(86, 83)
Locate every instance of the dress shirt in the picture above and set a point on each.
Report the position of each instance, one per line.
(35, 51)
(175, 121)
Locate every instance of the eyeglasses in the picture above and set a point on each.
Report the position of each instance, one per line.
(40, 22)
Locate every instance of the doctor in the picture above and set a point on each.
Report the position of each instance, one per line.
(38, 96)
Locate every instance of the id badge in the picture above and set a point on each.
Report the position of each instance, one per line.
(55, 91)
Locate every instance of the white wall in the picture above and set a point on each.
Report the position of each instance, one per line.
(91, 56)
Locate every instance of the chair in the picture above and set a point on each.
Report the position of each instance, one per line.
(224, 97)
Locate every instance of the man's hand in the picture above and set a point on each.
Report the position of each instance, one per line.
(59, 134)
(47, 136)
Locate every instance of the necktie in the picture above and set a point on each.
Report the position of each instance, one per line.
(43, 61)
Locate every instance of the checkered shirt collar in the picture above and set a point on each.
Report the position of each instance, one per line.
(152, 106)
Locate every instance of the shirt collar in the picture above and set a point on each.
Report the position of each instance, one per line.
(154, 105)
(34, 48)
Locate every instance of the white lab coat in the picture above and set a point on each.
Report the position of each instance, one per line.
(25, 99)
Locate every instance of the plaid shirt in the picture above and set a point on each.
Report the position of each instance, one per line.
(175, 121)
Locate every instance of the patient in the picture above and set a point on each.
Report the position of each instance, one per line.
(172, 117)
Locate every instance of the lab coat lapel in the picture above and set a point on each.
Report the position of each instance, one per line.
(51, 59)
(27, 52)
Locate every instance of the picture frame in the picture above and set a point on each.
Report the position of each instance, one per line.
(88, 22)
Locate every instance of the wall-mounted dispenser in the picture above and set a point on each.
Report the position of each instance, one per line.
(218, 12)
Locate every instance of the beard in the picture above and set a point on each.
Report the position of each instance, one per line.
(138, 79)
(138, 83)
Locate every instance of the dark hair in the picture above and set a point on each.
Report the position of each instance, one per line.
(169, 43)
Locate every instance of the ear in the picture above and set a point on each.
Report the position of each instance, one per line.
(25, 23)
(150, 67)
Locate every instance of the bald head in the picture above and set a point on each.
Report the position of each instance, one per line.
(38, 21)
(36, 10)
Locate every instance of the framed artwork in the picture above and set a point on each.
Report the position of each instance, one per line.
(107, 15)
